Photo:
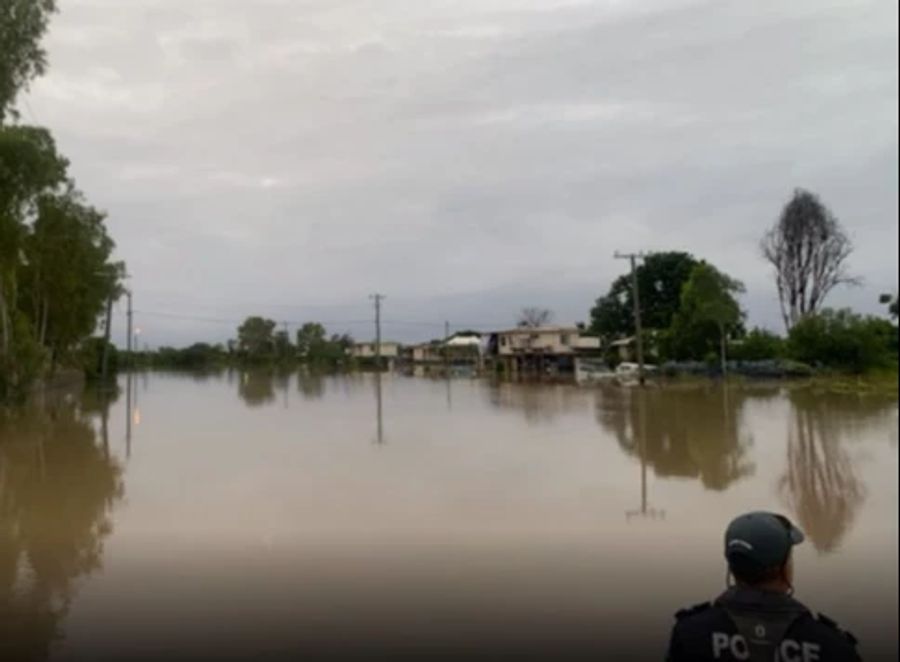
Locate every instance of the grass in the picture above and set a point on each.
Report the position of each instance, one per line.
(880, 381)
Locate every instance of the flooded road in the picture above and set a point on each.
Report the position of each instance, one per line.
(261, 514)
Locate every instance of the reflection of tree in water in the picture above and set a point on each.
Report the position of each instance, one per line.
(694, 432)
(310, 384)
(257, 387)
(538, 402)
(57, 489)
(821, 486)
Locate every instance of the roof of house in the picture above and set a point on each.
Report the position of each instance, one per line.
(528, 330)
(464, 341)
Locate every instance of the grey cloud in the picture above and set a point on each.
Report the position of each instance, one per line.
(467, 157)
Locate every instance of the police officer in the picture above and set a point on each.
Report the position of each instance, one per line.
(756, 618)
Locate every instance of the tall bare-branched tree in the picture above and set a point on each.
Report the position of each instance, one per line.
(809, 250)
(532, 318)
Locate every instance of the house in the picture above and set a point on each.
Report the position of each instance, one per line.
(541, 349)
(367, 350)
(465, 340)
(624, 348)
(554, 340)
(426, 353)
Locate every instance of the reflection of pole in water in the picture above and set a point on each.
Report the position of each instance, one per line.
(129, 383)
(379, 431)
(449, 393)
(104, 423)
(641, 434)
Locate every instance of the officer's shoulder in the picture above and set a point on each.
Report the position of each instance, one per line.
(832, 626)
(687, 612)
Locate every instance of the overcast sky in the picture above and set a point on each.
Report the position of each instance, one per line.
(464, 157)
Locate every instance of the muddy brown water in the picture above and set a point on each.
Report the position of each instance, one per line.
(276, 515)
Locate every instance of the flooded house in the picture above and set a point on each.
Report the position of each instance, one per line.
(541, 350)
(368, 350)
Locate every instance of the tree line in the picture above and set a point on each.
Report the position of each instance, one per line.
(57, 275)
(690, 308)
(258, 341)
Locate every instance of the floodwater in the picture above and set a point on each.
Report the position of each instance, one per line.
(282, 516)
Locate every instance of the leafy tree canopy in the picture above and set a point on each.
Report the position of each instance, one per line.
(660, 278)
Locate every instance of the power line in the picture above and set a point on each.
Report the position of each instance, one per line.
(235, 320)
(384, 322)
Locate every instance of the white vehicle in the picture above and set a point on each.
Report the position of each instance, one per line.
(592, 370)
(628, 369)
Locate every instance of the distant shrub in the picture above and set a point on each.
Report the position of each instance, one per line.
(758, 345)
(843, 340)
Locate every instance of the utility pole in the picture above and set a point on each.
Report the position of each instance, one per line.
(104, 359)
(636, 296)
(378, 299)
(447, 348)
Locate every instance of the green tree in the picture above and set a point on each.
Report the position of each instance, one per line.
(22, 24)
(759, 345)
(256, 338)
(843, 340)
(316, 348)
(68, 277)
(284, 350)
(55, 271)
(310, 337)
(708, 311)
(660, 279)
(29, 166)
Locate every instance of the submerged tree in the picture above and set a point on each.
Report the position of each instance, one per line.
(808, 249)
(256, 337)
(708, 310)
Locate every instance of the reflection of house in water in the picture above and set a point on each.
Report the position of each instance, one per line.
(539, 350)
(821, 486)
(538, 402)
(692, 432)
(58, 486)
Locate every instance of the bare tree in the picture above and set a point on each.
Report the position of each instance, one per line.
(808, 248)
(534, 317)
(890, 300)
